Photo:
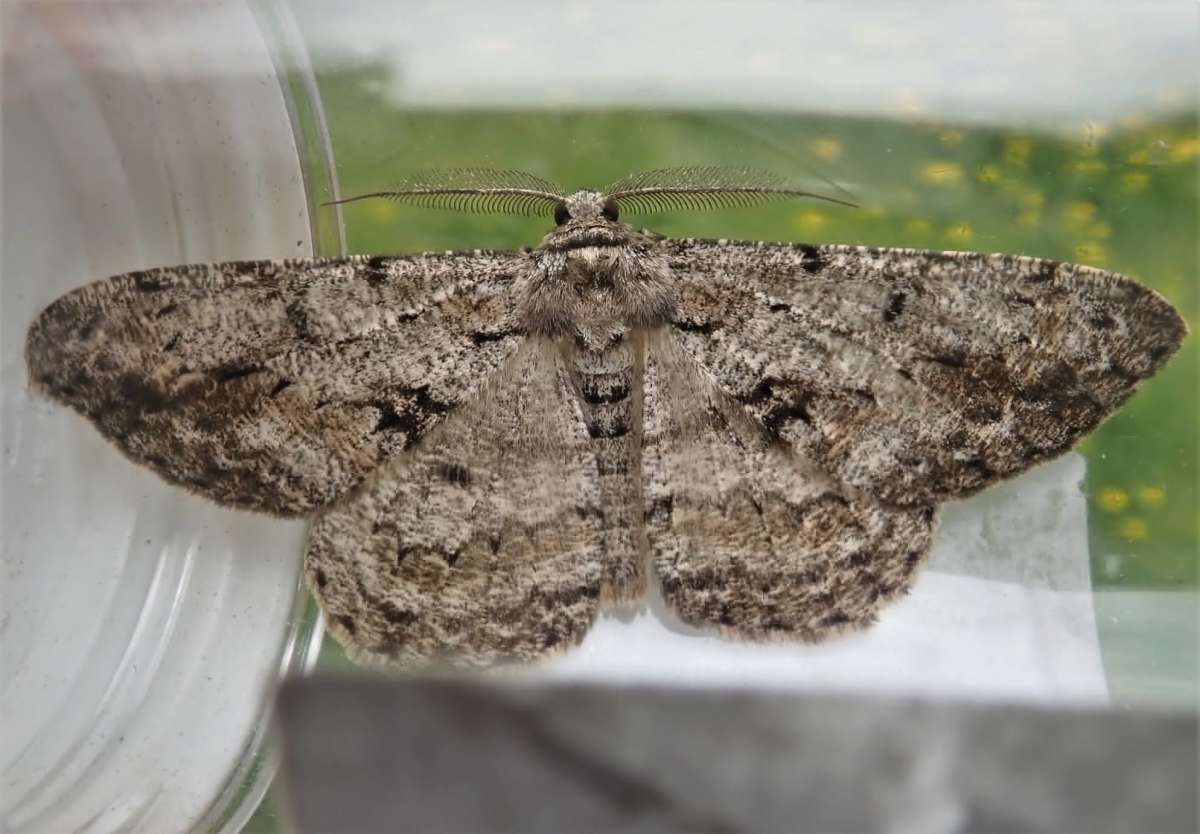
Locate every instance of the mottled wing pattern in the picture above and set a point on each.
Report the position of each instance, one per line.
(917, 376)
(277, 385)
(748, 538)
(482, 544)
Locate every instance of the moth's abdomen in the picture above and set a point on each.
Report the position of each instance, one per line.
(608, 383)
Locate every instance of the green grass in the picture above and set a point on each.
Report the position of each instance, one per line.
(1125, 199)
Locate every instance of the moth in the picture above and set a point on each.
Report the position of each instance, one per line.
(495, 446)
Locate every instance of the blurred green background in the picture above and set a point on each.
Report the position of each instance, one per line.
(1121, 196)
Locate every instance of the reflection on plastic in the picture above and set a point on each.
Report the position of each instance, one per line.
(143, 628)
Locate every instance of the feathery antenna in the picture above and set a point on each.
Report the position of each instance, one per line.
(482, 190)
(704, 187)
(486, 190)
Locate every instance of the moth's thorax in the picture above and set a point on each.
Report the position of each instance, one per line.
(597, 294)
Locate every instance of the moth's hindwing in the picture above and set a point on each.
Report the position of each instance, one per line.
(748, 539)
(482, 545)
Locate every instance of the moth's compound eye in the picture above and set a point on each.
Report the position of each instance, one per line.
(561, 215)
(610, 210)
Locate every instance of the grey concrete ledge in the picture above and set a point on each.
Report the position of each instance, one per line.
(459, 755)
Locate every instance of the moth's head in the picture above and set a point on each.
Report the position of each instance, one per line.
(587, 218)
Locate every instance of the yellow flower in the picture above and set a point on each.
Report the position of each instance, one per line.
(1134, 182)
(1016, 151)
(1091, 252)
(1099, 231)
(1139, 157)
(1184, 149)
(952, 138)
(1151, 496)
(1087, 166)
(381, 211)
(918, 226)
(826, 149)
(1030, 218)
(960, 233)
(988, 174)
(810, 220)
(1133, 529)
(1079, 214)
(940, 173)
(1033, 199)
(1113, 499)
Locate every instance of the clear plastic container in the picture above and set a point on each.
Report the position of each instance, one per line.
(143, 627)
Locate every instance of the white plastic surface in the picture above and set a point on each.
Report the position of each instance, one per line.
(142, 627)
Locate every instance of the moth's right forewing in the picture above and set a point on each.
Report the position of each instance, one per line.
(277, 385)
(917, 376)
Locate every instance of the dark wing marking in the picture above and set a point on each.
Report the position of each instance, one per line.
(482, 544)
(917, 376)
(277, 385)
(744, 536)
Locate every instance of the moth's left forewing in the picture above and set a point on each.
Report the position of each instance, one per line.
(917, 376)
(277, 385)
